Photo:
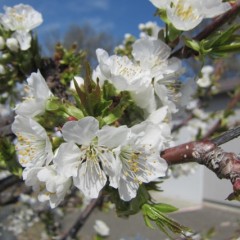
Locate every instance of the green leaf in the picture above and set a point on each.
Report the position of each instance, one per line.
(8, 157)
(115, 113)
(147, 221)
(154, 213)
(165, 208)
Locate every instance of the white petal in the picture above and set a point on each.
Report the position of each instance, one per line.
(215, 8)
(145, 99)
(112, 166)
(38, 86)
(33, 146)
(28, 125)
(160, 3)
(91, 179)
(79, 80)
(104, 62)
(182, 23)
(81, 132)
(127, 189)
(30, 178)
(154, 167)
(113, 137)
(30, 108)
(68, 159)
(147, 51)
(158, 116)
(24, 39)
(47, 175)
(149, 134)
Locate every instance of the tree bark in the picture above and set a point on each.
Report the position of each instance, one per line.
(208, 153)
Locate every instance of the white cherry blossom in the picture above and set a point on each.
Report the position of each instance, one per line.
(153, 56)
(141, 161)
(49, 185)
(87, 155)
(187, 14)
(125, 74)
(33, 145)
(150, 77)
(21, 19)
(38, 94)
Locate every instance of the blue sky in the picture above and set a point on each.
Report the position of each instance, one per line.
(116, 17)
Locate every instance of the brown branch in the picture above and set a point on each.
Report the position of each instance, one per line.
(208, 153)
(8, 182)
(6, 124)
(71, 234)
(186, 52)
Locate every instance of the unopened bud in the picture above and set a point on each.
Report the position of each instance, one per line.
(2, 69)
(71, 118)
(12, 44)
(5, 56)
(2, 42)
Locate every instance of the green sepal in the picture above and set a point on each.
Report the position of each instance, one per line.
(125, 209)
(162, 13)
(165, 208)
(191, 43)
(53, 104)
(56, 106)
(173, 33)
(115, 113)
(73, 111)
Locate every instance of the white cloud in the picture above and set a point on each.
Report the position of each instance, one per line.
(99, 23)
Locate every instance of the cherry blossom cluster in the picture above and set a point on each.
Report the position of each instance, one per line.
(19, 20)
(88, 156)
(86, 152)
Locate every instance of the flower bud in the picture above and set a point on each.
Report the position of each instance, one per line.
(2, 69)
(2, 42)
(101, 228)
(71, 118)
(12, 44)
(5, 56)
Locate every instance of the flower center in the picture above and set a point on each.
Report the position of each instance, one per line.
(184, 11)
(29, 148)
(134, 164)
(127, 70)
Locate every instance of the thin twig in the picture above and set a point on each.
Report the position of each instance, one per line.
(227, 136)
(72, 233)
(8, 182)
(233, 102)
